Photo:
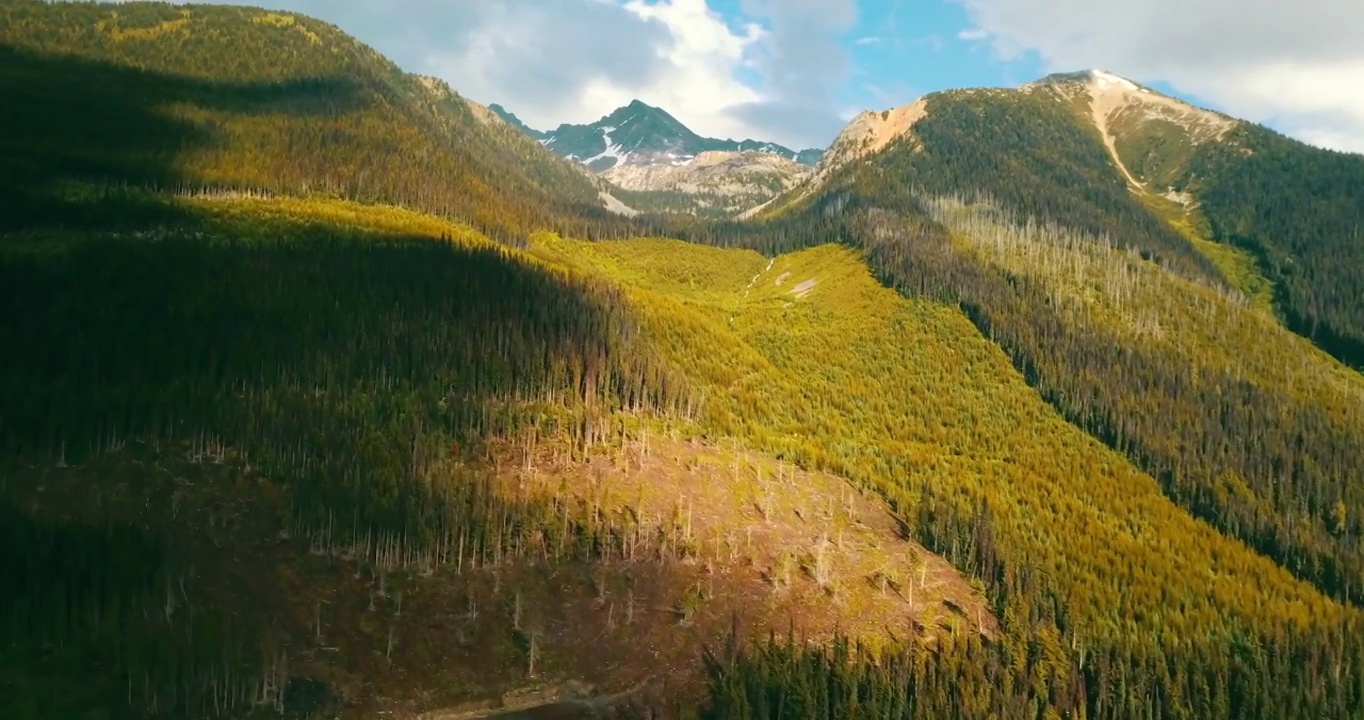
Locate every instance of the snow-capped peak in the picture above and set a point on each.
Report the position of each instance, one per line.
(1104, 80)
(644, 135)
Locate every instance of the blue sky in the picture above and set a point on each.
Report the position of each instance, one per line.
(899, 54)
(793, 71)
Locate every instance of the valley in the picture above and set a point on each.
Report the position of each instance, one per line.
(332, 393)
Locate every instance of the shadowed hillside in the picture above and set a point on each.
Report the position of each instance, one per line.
(240, 98)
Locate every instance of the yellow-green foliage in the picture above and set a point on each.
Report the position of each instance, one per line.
(1236, 264)
(1259, 477)
(118, 33)
(346, 367)
(244, 211)
(1197, 326)
(286, 21)
(905, 394)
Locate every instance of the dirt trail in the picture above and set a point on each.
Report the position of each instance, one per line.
(1102, 105)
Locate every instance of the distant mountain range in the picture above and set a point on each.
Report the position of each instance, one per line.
(664, 166)
(641, 134)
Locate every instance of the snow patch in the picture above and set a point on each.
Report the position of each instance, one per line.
(1105, 80)
(612, 149)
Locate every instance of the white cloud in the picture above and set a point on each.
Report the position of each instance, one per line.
(1299, 64)
(773, 78)
(703, 58)
(549, 64)
(555, 61)
(803, 66)
(931, 41)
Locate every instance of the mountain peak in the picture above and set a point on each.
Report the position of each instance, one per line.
(638, 133)
(637, 111)
(1108, 94)
(632, 107)
(1093, 76)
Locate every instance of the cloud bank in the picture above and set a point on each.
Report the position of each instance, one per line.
(1298, 65)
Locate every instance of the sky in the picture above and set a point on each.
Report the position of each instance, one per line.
(794, 71)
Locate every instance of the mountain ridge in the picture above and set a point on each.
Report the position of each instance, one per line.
(515, 121)
(1192, 172)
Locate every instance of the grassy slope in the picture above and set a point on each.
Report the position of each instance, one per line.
(233, 97)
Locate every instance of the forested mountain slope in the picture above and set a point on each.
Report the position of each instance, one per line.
(1008, 203)
(384, 457)
(1082, 553)
(1204, 194)
(1298, 210)
(241, 98)
(1026, 444)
